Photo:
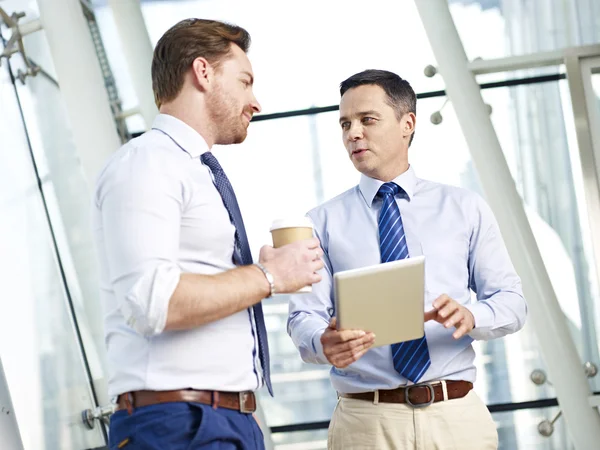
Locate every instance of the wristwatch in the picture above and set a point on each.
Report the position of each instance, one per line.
(269, 278)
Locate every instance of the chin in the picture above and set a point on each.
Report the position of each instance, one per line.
(240, 137)
(236, 137)
(366, 169)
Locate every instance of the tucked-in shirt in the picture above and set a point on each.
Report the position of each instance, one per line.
(156, 215)
(458, 235)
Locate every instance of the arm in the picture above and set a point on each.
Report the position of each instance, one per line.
(200, 299)
(141, 208)
(309, 317)
(501, 308)
(313, 329)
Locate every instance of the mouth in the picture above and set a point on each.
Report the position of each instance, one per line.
(247, 116)
(359, 152)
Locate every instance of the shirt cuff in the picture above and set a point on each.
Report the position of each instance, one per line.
(146, 306)
(482, 313)
(318, 347)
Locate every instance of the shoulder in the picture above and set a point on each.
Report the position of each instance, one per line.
(337, 204)
(465, 199)
(149, 158)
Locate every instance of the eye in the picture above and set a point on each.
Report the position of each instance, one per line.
(368, 120)
(345, 125)
(246, 83)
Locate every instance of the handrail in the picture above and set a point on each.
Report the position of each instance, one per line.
(494, 408)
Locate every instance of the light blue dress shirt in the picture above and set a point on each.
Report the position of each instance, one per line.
(458, 235)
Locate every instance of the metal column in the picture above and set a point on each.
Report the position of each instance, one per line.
(557, 346)
(81, 83)
(138, 53)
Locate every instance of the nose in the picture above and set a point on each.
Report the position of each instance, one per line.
(355, 132)
(255, 105)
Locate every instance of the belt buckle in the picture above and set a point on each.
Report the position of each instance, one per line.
(420, 405)
(242, 397)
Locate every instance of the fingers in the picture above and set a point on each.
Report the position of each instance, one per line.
(441, 301)
(265, 253)
(315, 278)
(348, 346)
(350, 335)
(448, 310)
(318, 253)
(455, 318)
(341, 340)
(345, 353)
(430, 315)
(450, 313)
(347, 358)
(332, 336)
(463, 329)
(312, 243)
(317, 265)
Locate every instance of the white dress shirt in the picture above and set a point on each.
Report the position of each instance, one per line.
(458, 234)
(157, 214)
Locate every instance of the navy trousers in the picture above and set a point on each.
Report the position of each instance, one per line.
(184, 426)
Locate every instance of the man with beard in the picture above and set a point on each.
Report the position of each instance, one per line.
(185, 331)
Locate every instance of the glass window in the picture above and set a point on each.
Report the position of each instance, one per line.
(301, 57)
(68, 199)
(519, 430)
(287, 166)
(530, 124)
(41, 354)
(499, 28)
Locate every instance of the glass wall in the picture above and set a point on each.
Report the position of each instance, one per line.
(289, 165)
(285, 167)
(46, 259)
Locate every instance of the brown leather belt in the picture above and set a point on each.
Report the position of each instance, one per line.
(244, 402)
(417, 395)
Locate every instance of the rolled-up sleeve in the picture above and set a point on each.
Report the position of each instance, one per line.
(140, 205)
(309, 314)
(501, 308)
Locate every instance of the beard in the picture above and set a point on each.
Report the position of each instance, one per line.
(227, 119)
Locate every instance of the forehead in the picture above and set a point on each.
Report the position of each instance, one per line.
(363, 98)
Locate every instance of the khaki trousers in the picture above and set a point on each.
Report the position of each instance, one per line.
(459, 424)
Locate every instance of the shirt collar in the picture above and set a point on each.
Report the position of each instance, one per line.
(182, 134)
(370, 186)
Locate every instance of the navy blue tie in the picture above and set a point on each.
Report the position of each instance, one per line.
(242, 255)
(410, 358)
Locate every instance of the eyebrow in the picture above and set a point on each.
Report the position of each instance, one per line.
(370, 112)
(245, 72)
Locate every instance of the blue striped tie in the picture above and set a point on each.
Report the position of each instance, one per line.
(410, 358)
(242, 255)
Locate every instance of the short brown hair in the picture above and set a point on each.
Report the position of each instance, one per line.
(182, 44)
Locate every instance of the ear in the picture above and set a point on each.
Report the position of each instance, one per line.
(203, 74)
(408, 124)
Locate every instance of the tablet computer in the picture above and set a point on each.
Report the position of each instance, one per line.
(386, 299)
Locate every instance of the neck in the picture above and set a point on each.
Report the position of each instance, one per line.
(392, 172)
(194, 115)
